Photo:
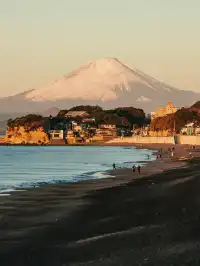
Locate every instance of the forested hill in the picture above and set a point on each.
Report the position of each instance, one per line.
(126, 116)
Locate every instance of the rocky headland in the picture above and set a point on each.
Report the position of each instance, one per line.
(26, 130)
(22, 135)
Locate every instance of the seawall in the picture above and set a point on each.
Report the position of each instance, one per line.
(143, 140)
(190, 140)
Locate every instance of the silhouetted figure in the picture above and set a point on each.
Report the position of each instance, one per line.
(133, 168)
(160, 155)
(139, 169)
(114, 166)
(148, 157)
(173, 148)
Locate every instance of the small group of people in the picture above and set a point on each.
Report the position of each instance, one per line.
(171, 151)
(138, 168)
(133, 168)
(159, 156)
(193, 147)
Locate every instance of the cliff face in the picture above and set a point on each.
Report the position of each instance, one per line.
(21, 135)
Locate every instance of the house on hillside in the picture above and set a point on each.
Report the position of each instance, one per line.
(107, 126)
(191, 129)
(56, 134)
(74, 114)
(106, 130)
(164, 110)
(88, 120)
(188, 129)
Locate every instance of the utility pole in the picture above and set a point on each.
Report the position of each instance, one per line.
(174, 127)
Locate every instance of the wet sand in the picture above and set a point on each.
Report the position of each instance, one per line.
(129, 219)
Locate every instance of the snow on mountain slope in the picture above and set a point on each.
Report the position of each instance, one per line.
(106, 82)
(143, 99)
(100, 80)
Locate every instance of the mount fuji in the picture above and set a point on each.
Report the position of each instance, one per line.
(106, 82)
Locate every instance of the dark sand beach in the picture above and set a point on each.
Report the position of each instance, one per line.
(128, 219)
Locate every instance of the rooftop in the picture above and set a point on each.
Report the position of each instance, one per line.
(77, 113)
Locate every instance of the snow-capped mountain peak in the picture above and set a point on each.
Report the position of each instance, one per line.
(106, 82)
(102, 80)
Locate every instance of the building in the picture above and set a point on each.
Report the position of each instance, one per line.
(191, 129)
(105, 132)
(163, 111)
(57, 134)
(141, 131)
(88, 120)
(107, 126)
(188, 129)
(73, 114)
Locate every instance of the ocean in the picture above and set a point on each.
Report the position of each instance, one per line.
(23, 167)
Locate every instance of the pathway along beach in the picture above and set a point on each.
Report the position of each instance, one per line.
(151, 219)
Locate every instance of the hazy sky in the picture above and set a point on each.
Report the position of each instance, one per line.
(40, 40)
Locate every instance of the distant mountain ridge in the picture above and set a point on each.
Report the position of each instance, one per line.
(105, 82)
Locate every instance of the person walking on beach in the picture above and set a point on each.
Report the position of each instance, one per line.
(133, 168)
(139, 168)
(172, 154)
(114, 166)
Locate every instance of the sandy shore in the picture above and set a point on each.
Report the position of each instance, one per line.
(129, 219)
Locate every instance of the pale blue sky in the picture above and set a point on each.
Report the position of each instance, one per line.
(41, 40)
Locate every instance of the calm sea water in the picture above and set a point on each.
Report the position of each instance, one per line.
(25, 166)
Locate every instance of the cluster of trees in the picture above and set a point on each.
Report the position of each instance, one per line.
(123, 116)
(177, 120)
(196, 105)
(31, 121)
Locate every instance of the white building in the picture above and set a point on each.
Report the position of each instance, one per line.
(107, 126)
(57, 134)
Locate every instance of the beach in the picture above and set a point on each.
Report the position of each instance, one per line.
(127, 219)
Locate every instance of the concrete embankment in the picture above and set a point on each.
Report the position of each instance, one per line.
(190, 140)
(144, 140)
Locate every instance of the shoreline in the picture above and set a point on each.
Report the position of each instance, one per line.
(106, 174)
(58, 223)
